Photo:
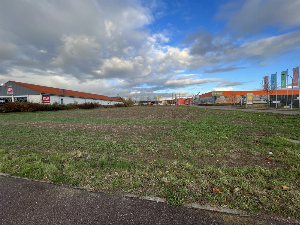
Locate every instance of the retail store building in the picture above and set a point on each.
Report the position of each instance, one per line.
(231, 97)
(13, 91)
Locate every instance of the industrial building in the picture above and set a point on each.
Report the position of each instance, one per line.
(231, 97)
(13, 91)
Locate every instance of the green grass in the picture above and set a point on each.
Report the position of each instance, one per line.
(178, 153)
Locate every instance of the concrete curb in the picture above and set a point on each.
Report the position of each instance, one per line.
(192, 205)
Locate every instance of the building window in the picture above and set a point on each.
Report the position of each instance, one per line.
(61, 101)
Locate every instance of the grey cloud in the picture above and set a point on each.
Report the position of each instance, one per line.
(220, 70)
(252, 53)
(249, 16)
(204, 43)
(228, 83)
(262, 64)
(32, 26)
(175, 83)
(3, 70)
(266, 48)
(7, 51)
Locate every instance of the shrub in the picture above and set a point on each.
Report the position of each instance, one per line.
(109, 106)
(73, 105)
(119, 105)
(89, 105)
(32, 107)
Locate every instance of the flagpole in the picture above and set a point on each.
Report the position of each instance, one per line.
(287, 90)
(298, 87)
(292, 92)
(276, 89)
(268, 94)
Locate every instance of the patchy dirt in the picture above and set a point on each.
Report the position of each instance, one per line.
(144, 112)
(239, 159)
(100, 128)
(258, 133)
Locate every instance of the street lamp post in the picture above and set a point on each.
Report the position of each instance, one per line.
(196, 97)
(292, 92)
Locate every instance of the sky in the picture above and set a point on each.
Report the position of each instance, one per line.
(147, 48)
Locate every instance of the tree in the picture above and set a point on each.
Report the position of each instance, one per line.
(267, 88)
(232, 98)
(127, 102)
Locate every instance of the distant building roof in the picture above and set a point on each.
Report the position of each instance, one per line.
(63, 92)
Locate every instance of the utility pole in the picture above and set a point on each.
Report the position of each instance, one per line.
(287, 90)
(292, 92)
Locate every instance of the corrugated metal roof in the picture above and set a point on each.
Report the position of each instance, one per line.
(57, 91)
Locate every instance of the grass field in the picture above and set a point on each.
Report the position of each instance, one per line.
(183, 154)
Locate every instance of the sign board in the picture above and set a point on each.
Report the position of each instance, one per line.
(283, 79)
(46, 98)
(266, 82)
(295, 76)
(10, 90)
(249, 98)
(158, 96)
(217, 93)
(274, 81)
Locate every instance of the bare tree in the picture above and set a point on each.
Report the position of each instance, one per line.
(266, 85)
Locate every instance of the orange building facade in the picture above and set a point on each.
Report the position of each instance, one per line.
(231, 97)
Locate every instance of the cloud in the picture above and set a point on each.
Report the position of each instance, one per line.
(245, 17)
(77, 49)
(188, 75)
(69, 32)
(7, 51)
(252, 52)
(227, 83)
(158, 38)
(223, 89)
(271, 46)
(264, 49)
(186, 82)
(120, 67)
(262, 64)
(205, 43)
(221, 70)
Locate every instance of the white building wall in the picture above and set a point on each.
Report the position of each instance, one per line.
(98, 101)
(68, 100)
(79, 100)
(34, 98)
(54, 98)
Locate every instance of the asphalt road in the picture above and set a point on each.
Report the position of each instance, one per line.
(27, 202)
(282, 111)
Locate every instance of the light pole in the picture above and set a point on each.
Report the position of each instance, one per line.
(198, 96)
(292, 92)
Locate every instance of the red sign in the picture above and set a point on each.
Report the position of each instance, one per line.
(295, 76)
(266, 82)
(9, 90)
(46, 98)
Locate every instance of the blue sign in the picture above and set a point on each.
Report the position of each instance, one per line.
(273, 81)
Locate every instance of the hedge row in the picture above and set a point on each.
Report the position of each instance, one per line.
(32, 107)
